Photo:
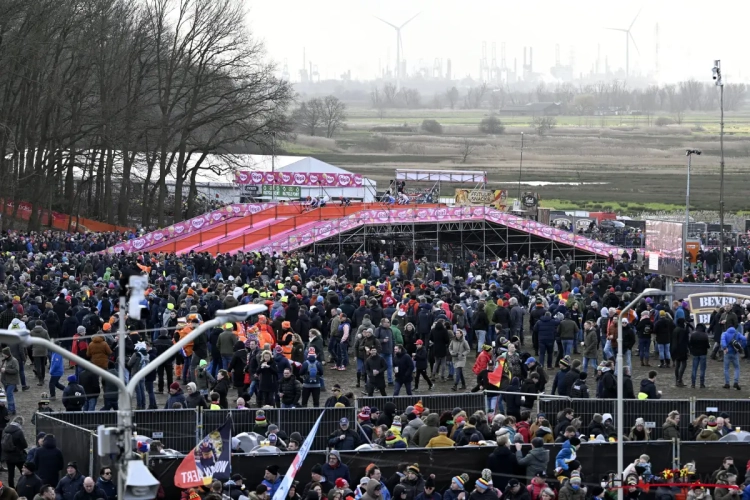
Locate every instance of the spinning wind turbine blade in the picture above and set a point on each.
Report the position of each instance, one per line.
(634, 19)
(410, 19)
(634, 44)
(386, 22)
(616, 29)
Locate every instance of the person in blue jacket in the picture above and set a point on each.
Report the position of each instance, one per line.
(56, 371)
(732, 343)
(272, 479)
(334, 468)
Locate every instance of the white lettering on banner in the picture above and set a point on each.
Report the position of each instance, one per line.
(191, 477)
(704, 319)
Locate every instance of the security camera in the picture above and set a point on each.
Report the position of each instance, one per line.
(141, 484)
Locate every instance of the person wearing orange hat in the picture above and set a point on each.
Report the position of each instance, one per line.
(265, 332)
(287, 338)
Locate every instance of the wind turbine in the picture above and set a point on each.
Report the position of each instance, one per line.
(628, 38)
(399, 46)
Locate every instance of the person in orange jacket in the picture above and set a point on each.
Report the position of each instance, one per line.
(287, 338)
(187, 350)
(265, 332)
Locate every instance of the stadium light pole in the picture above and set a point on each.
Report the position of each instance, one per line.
(720, 83)
(125, 412)
(620, 385)
(689, 153)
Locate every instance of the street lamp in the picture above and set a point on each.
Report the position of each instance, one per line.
(620, 385)
(125, 413)
(689, 153)
(720, 83)
(520, 170)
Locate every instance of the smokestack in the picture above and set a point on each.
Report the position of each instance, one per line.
(524, 57)
(531, 63)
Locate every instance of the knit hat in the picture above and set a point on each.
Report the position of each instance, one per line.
(202, 363)
(459, 481)
(565, 361)
(192, 386)
(487, 476)
(639, 421)
(429, 482)
(419, 407)
(71, 379)
(396, 422)
(175, 386)
(340, 483)
(273, 469)
(390, 437)
(575, 477)
(364, 414)
(6, 351)
(632, 480)
(482, 484)
(31, 466)
(487, 347)
(413, 468)
(81, 330)
(316, 469)
(260, 418)
(711, 422)
(44, 398)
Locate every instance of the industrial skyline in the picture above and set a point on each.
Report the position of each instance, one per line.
(356, 44)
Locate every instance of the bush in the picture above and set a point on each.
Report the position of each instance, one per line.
(432, 126)
(491, 125)
(379, 143)
(663, 121)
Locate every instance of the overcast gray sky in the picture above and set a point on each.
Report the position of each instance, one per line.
(343, 34)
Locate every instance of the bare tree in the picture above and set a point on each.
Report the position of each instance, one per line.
(734, 95)
(309, 116)
(452, 96)
(378, 102)
(334, 115)
(543, 124)
(466, 149)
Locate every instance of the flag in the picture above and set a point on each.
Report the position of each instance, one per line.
(496, 377)
(209, 460)
(297, 462)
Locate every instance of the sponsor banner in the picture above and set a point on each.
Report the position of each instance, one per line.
(184, 228)
(245, 177)
(704, 303)
(664, 249)
(281, 191)
(480, 196)
(208, 461)
(530, 200)
(427, 195)
(299, 459)
(692, 247)
(250, 189)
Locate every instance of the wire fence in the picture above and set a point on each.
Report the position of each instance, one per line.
(77, 442)
(470, 402)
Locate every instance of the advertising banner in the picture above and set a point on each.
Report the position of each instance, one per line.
(530, 200)
(692, 247)
(664, 247)
(209, 460)
(465, 197)
(705, 303)
(245, 177)
(427, 195)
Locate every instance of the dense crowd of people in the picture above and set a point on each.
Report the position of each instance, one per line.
(390, 321)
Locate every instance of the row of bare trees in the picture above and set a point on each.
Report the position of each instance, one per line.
(106, 102)
(690, 95)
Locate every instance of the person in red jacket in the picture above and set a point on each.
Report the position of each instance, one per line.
(483, 360)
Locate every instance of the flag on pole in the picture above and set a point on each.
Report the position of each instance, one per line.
(209, 460)
(286, 483)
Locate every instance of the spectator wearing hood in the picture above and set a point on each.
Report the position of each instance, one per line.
(732, 343)
(502, 462)
(334, 469)
(138, 360)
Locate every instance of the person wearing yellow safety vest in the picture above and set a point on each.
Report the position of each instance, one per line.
(226, 342)
(287, 338)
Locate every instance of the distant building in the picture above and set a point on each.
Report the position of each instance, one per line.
(533, 109)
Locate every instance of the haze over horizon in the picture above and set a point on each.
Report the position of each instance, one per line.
(340, 35)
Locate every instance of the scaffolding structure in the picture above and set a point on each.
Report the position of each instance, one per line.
(451, 242)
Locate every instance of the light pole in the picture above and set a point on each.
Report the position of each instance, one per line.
(689, 153)
(520, 170)
(125, 412)
(720, 83)
(620, 385)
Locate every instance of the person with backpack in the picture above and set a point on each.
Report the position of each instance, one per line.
(579, 389)
(733, 344)
(138, 360)
(74, 396)
(311, 373)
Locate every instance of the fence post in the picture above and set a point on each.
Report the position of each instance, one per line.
(199, 426)
(692, 409)
(91, 454)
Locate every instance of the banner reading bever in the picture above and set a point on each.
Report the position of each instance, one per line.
(703, 304)
(209, 461)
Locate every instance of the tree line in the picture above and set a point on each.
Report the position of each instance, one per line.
(689, 95)
(103, 103)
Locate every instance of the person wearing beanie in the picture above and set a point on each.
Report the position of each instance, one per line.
(536, 460)
(261, 423)
(457, 486)
(29, 484)
(482, 490)
(71, 483)
(572, 489)
(74, 397)
(365, 428)
(272, 479)
(317, 479)
(413, 482)
(516, 491)
(579, 389)
(429, 493)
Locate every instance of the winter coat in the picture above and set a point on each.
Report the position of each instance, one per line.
(420, 358)
(440, 339)
(49, 461)
(18, 454)
(68, 486)
(226, 342)
(28, 486)
(90, 383)
(411, 429)
(403, 368)
(203, 379)
(669, 430)
(568, 329)
(428, 431)
(99, 352)
(590, 344)
(502, 462)
(177, 397)
(459, 349)
(698, 343)
(39, 350)
(291, 390)
(73, 397)
(11, 375)
(568, 493)
(267, 376)
(349, 443)
(662, 328)
(679, 346)
(196, 400)
(707, 435)
(546, 329)
(376, 363)
(333, 473)
(536, 460)
(649, 388)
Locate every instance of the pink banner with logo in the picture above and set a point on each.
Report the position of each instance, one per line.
(246, 177)
(184, 228)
